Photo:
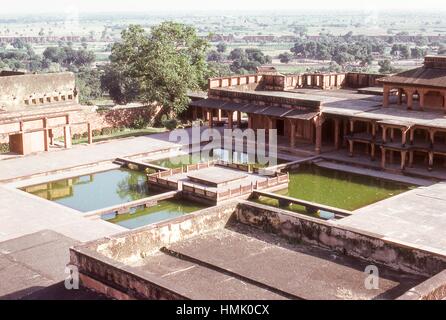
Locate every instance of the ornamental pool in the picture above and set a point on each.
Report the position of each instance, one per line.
(94, 191)
(164, 210)
(335, 188)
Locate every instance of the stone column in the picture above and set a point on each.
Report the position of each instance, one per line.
(410, 159)
(336, 133)
(345, 132)
(194, 113)
(403, 136)
(351, 145)
(211, 119)
(383, 158)
(230, 119)
(400, 96)
(67, 136)
(384, 135)
(386, 94)
(432, 137)
(421, 94)
(403, 160)
(269, 123)
(46, 140)
(292, 134)
(372, 151)
(318, 123)
(250, 121)
(431, 161)
(239, 118)
(219, 115)
(51, 135)
(409, 95)
(90, 133)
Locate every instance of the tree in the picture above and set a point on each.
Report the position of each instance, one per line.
(89, 84)
(166, 64)
(417, 53)
(221, 47)
(121, 88)
(246, 61)
(285, 57)
(215, 56)
(386, 66)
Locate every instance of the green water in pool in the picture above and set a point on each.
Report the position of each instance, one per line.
(335, 188)
(95, 191)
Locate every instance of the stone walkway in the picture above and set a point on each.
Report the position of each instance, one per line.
(82, 155)
(417, 217)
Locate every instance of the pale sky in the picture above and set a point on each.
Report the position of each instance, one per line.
(51, 6)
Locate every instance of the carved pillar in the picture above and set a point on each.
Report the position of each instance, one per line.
(431, 161)
(386, 94)
(250, 121)
(383, 158)
(403, 160)
(194, 113)
(318, 123)
(345, 132)
(230, 119)
(211, 118)
(292, 134)
(46, 140)
(384, 134)
(403, 136)
(336, 133)
(351, 145)
(421, 94)
(400, 96)
(239, 118)
(409, 95)
(410, 159)
(432, 137)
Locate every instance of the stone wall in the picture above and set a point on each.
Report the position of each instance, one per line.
(107, 265)
(19, 91)
(113, 118)
(372, 247)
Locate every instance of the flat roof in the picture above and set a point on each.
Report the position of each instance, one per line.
(227, 252)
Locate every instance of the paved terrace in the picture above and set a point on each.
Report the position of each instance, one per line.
(82, 155)
(417, 216)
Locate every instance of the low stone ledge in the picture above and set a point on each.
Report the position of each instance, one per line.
(432, 289)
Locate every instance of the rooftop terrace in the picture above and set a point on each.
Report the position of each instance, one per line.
(216, 253)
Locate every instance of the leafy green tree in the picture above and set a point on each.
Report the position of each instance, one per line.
(386, 66)
(88, 82)
(215, 56)
(285, 57)
(167, 63)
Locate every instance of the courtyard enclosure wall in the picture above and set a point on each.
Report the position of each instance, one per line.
(106, 265)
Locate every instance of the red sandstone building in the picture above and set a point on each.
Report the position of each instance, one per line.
(398, 119)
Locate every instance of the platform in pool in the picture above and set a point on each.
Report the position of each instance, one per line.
(214, 177)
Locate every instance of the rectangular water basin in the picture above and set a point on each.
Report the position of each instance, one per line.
(95, 191)
(164, 210)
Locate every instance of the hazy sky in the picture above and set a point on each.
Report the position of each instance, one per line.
(41, 6)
